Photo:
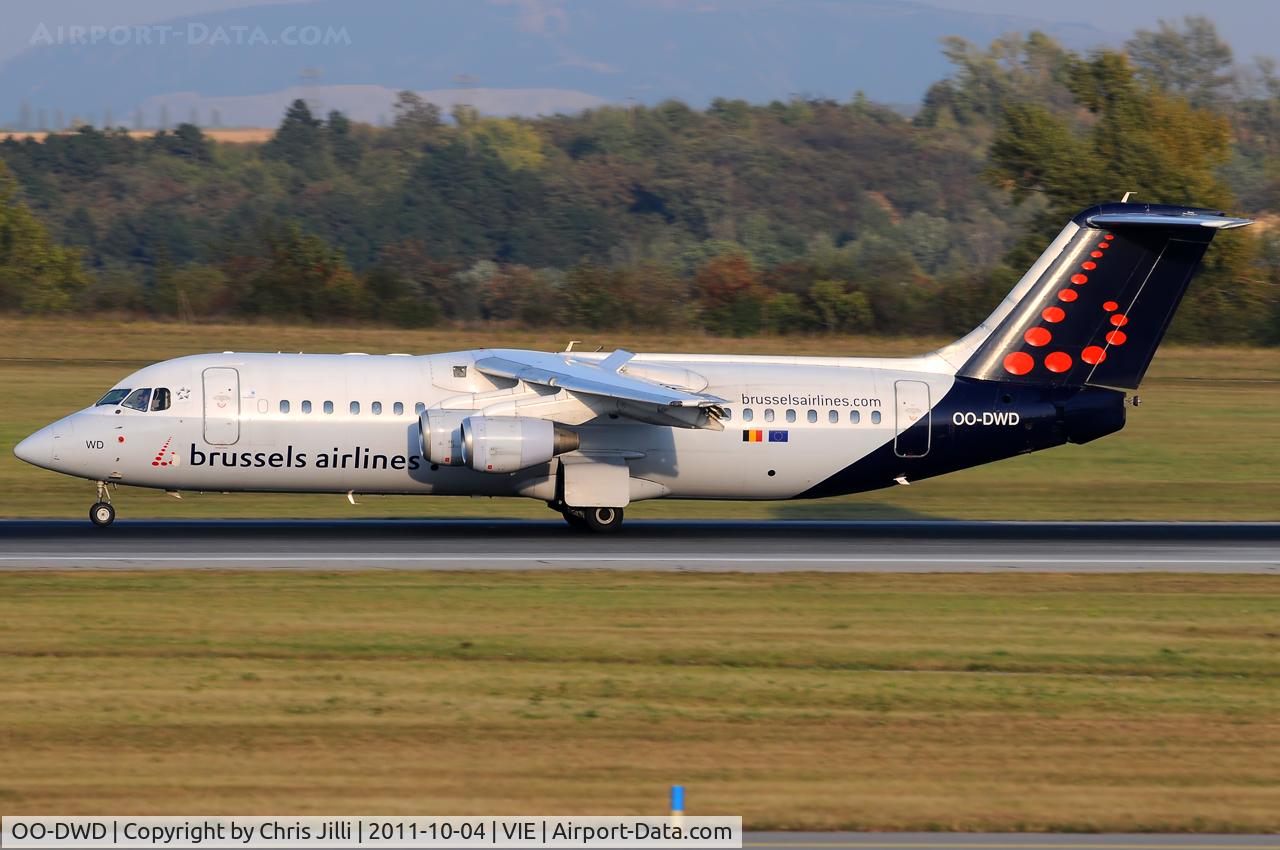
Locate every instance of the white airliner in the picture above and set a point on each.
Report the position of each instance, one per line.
(589, 433)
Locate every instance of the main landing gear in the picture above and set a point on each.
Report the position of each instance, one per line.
(102, 514)
(598, 520)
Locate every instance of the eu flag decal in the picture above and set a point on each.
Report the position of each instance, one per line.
(777, 436)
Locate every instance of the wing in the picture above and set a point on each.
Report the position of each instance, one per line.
(638, 398)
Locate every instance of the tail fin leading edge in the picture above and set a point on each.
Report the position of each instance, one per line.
(1096, 312)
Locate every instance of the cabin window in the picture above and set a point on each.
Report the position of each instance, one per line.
(833, 416)
(854, 417)
(355, 408)
(328, 407)
(160, 399)
(812, 416)
(768, 414)
(284, 406)
(875, 417)
(791, 415)
(748, 414)
(376, 408)
(419, 408)
(306, 407)
(138, 399)
(113, 398)
(398, 408)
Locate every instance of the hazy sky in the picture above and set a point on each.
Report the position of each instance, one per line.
(1247, 24)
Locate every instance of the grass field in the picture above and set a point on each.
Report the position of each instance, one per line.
(968, 702)
(1205, 444)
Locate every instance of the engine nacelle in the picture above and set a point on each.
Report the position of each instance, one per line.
(511, 443)
(440, 435)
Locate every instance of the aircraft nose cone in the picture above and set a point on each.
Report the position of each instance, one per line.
(36, 449)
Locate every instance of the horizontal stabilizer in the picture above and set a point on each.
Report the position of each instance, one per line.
(1218, 221)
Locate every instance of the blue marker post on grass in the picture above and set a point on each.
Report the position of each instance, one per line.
(677, 802)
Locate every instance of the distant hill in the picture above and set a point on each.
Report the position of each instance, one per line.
(372, 104)
(506, 56)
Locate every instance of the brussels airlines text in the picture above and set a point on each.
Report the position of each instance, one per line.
(357, 458)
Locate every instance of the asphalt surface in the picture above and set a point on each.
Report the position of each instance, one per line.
(773, 546)
(1003, 841)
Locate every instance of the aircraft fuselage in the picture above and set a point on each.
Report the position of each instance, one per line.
(793, 427)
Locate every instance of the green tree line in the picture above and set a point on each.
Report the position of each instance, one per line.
(805, 216)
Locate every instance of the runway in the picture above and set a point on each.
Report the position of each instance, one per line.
(1003, 841)
(773, 546)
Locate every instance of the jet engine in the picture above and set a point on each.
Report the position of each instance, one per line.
(510, 443)
(439, 432)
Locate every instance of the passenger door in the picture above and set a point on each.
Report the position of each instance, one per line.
(221, 406)
(911, 408)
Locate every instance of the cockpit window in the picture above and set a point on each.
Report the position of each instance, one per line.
(113, 398)
(138, 399)
(160, 399)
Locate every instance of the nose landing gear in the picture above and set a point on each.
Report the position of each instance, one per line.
(101, 513)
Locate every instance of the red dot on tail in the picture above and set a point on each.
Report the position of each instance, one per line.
(1119, 320)
(1095, 254)
(1103, 245)
(1079, 279)
(1037, 337)
(1018, 363)
(1110, 305)
(1108, 237)
(1088, 265)
(1052, 315)
(155, 463)
(120, 439)
(1058, 361)
(1116, 337)
(1093, 355)
(1068, 295)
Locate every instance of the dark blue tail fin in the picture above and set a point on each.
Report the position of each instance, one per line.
(1097, 303)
